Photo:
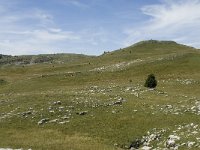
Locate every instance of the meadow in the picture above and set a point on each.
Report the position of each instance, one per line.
(80, 102)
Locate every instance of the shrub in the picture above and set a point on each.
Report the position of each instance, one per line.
(151, 81)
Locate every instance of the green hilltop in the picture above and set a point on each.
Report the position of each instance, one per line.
(80, 102)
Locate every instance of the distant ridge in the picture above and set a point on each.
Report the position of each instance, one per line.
(41, 58)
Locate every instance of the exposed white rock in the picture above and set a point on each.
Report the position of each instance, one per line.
(57, 103)
(174, 137)
(146, 148)
(53, 121)
(82, 113)
(65, 117)
(63, 122)
(190, 144)
(42, 121)
(170, 143)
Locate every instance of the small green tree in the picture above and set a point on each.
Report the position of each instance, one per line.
(151, 81)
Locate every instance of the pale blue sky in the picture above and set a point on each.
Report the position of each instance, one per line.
(94, 26)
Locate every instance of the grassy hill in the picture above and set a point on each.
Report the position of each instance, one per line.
(100, 102)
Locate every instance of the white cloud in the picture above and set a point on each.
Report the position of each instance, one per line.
(170, 20)
(47, 36)
(30, 31)
(76, 3)
(33, 31)
(26, 42)
(56, 30)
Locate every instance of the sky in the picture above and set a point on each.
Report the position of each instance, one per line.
(94, 26)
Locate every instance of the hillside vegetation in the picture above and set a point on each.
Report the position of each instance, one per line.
(69, 101)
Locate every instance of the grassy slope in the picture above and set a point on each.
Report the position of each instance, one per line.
(39, 85)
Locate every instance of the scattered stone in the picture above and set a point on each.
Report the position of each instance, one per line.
(26, 113)
(57, 103)
(174, 137)
(53, 121)
(43, 121)
(190, 144)
(171, 142)
(135, 144)
(146, 148)
(82, 113)
(117, 102)
(169, 106)
(63, 122)
(113, 112)
(52, 111)
(136, 94)
(65, 117)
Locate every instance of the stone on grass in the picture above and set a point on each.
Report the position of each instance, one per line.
(135, 144)
(42, 121)
(82, 113)
(53, 121)
(63, 122)
(146, 148)
(190, 144)
(57, 103)
(170, 143)
(65, 117)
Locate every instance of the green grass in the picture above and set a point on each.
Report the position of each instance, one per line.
(35, 87)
